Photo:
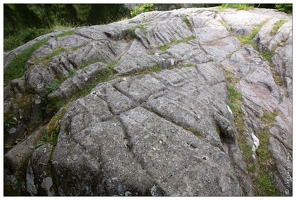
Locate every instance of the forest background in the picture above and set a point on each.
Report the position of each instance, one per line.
(24, 22)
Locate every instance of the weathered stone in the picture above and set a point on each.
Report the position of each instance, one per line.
(78, 81)
(167, 130)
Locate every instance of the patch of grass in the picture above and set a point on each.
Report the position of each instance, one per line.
(235, 102)
(277, 26)
(227, 27)
(277, 78)
(45, 59)
(249, 39)
(151, 53)
(103, 76)
(110, 65)
(188, 39)
(223, 7)
(189, 65)
(143, 28)
(48, 137)
(131, 33)
(174, 42)
(267, 55)
(87, 64)
(185, 40)
(16, 67)
(70, 32)
(52, 87)
(269, 118)
(164, 47)
(263, 182)
(262, 171)
(185, 19)
(9, 121)
(234, 95)
(156, 69)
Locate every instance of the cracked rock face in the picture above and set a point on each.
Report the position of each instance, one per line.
(163, 125)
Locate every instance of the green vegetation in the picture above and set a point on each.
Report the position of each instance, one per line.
(164, 47)
(9, 121)
(263, 181)
(236, 6)
(131, 32)
(28, 34)
(287, 8)
(46, 59)
(269, 118)
(140, 9)
(48, 137)
(267, 55)
(277, 26)
(261, 172)
(235, 102)
(156, 69)
(174, 42)
(249, 39)
(185, 19)
(151, 53)
(70, 32)
(24, 22)
(103, 76)
(16, 68)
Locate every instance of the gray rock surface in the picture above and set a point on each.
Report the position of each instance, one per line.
(163, 125)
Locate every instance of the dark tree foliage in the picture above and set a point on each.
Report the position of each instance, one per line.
(21, 16)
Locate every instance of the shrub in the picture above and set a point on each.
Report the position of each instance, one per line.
(140, 9)
(236, 6)
(287, 8)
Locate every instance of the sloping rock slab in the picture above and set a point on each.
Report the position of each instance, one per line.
(111, 149)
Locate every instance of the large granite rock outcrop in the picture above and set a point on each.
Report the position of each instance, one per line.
(146, 108)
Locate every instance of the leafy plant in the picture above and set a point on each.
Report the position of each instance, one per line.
(287, 8)
(9, 121)
(48, 137)
(52, 87)
(140, 9)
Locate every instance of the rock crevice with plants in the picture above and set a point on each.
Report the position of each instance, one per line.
(189, 102)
